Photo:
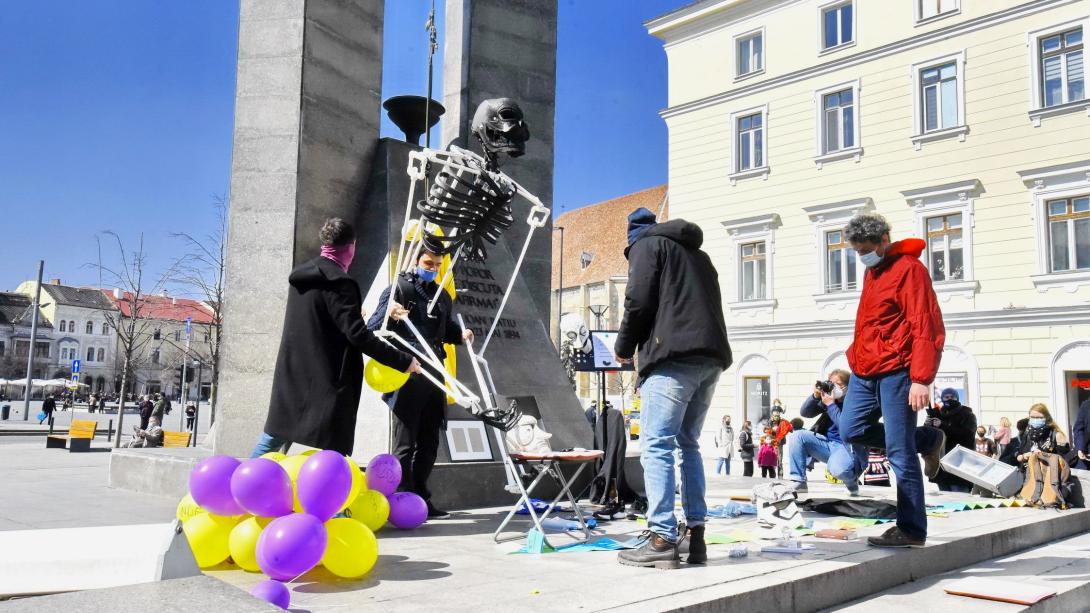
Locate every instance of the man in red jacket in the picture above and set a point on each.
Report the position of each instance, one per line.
(898, 342)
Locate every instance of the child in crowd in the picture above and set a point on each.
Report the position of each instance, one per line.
(766, 457)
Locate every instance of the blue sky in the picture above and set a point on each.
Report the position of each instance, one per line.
(117, 115)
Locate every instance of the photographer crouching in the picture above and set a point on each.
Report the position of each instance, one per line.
(844, 461)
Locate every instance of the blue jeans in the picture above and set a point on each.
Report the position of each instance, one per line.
(721, 464)
(675, 399)
(845, 462)
(886, 396)
(268, 443)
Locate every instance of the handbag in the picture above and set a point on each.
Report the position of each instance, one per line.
(41, 415)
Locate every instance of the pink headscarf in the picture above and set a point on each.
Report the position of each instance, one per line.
(341, 254)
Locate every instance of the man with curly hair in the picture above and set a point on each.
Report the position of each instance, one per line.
(894, 356)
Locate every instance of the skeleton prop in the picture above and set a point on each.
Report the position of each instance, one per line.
(466, 209)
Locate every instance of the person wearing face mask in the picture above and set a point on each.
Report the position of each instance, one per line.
(984, 445)
(319, 370)
(1045, 454)
(419, 407)
(894, 356)
(958, 423)
(845, 462)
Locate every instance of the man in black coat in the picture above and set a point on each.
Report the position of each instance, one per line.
(959, 423)
(419, 407)
(673, 312)
(1080, 434)
(319, 370)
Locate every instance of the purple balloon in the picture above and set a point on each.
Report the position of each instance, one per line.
(290, 546)
(407, 510)
(210, 485)
(262, 487)
(384, 474)
(324, 483)
(272, 592)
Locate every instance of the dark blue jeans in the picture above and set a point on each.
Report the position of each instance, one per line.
(886, 396)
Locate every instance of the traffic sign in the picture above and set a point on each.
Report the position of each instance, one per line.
(188, 326)
(75, 366)
(75, 377)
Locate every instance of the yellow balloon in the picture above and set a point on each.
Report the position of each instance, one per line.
(309, 452)
(359, 483)
(382, 378)
(371, 509)
(208, 535)
(293, 464)
(187, 508)
(242, 543)
(351, 550)
(275, 456)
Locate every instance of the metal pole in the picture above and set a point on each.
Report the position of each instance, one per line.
(33, 340)
(560, 288)
(197, 414)
(433, 44)
(182, 398)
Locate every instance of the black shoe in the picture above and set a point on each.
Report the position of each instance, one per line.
(931, 458)
(436, 513)
(895, 538)
(694, 545)
(656, 552)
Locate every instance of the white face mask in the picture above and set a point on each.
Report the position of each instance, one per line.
(838, 392)
(870, 260)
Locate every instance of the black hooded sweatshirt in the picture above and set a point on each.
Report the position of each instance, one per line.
(672, 308)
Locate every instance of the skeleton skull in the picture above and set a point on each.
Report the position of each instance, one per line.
(499, 125)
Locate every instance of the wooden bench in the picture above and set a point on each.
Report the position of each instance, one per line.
(175, 439)
(78, 438)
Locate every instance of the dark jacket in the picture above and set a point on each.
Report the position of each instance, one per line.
(319, 370)
(49, 405)
(827, 416)
(611, 475)
(959, 424)
(745, 445)
(414, 294)
(1080, 434)
(672, 308)
(1045, 441)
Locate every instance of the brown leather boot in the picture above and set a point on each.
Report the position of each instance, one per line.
(656, 552)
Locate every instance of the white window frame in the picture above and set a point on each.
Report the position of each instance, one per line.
(757, 171)
(1038, 111)
(832, 5)
(1052, 183)
(962, 128)
(738, 39)
(757, 229)
(856, 152)
(921, 20)
(949, 199)
(826, 218)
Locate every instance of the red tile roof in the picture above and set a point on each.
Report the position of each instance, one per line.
(602, 231)
(164, 307)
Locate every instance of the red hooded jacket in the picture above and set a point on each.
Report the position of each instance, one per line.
(898, 323)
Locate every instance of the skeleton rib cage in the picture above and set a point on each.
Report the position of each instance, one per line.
(466, 207)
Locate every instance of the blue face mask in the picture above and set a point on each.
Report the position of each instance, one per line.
(425, 275)
(870, 260)
(1037, 422)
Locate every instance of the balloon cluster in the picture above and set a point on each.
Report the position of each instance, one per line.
(284, 515)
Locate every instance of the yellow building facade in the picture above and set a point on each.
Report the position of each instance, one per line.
(962, 122)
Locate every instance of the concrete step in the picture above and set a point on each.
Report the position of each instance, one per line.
(1062, 565)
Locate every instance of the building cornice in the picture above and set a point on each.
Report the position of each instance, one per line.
(962, 189)
(919, 40)
(976, 320)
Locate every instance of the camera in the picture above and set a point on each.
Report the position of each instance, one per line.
(826, 387)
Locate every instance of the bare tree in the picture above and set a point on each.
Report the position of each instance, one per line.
(132, 320)
(201, 273)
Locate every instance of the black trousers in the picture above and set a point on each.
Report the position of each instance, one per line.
(747, 468)
(418, 409)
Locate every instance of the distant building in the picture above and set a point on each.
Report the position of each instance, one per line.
(963, 122)
(595, 271)
(162, 345)
(16, 315)
(81, 332)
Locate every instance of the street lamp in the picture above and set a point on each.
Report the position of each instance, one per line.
(560, 287)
